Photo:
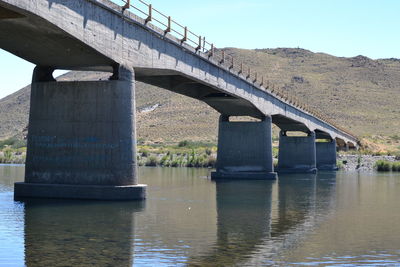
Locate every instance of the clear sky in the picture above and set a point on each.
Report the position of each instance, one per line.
(339, 27)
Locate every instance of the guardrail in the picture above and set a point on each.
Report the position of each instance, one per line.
(218, 56)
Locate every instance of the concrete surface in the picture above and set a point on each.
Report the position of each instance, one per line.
(244, 150)
(70, 191)
(297, 153)
(81, 134)
(326, 155)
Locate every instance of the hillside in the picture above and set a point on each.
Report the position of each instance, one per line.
(359, 93)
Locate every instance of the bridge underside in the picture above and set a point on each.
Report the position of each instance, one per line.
(38, 41)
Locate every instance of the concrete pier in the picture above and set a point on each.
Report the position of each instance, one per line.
(244, 150)
(297, 153)
(81, 139)
(326, 155)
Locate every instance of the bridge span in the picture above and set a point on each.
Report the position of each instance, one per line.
(82, 134)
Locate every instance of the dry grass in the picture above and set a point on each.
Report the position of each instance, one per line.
(360, 94)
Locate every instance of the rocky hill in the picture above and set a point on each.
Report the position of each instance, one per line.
(358, 93)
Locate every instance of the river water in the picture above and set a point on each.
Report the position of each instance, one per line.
(329, 219)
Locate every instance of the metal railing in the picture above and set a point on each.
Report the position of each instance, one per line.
(219, 56)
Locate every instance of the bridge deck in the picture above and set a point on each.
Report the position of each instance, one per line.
(98, 34)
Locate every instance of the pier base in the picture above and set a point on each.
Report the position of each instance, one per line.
(244, 150)
(94, 192)
(81, 139)
(297, 154)
(326, 155)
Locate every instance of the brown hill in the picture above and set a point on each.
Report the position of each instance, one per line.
(358, 93)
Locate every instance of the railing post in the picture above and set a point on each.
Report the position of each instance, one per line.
(248, 74)
(199, 45)
(149, 18)
(241, 68)
(231, 66)
(223, 57)
(127, 5)
(184, 39)
(169, 26)
(211, 51)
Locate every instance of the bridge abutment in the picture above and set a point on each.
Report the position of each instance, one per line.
(297, 153)
(81, 139)
(244, 150)
(326, 155)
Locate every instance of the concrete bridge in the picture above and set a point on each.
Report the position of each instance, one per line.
(82, 139)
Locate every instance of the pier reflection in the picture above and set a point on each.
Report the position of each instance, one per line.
(79, 233)
(257, 219)
(243, 220)
(301, 197)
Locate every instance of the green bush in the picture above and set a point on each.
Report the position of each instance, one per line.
(152, 161)
(396, 166)
(174, 163)
(13, 143)
(383, 166)
(183, 143)
(340, 164)
(275, 152)
(165, 161)
(145, 153)
(358, 161)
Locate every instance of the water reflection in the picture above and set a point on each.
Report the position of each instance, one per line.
(240, 228)
(324, 219)
(9, 174)
(300, 196)
(257, 219)
(79, 233)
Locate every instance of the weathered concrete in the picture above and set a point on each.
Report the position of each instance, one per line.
(67, 191)
(244, 150)
(297, 153)
(81, 139)
(326, 155)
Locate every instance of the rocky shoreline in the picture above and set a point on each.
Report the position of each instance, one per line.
(361, 162)
(345, 162)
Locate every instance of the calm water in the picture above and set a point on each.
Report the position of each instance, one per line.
(329, 219)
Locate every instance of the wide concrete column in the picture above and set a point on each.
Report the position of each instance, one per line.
(297, 153)
(244, 150)
(81, 139)
(326, 155)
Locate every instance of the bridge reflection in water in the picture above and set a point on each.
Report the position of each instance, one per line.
(281, 214)
(75, 233)
(255, 220)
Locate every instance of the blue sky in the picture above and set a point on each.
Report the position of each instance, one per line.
(339, 27)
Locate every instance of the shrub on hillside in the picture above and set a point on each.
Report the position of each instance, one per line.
(183, 143)
(13, 143)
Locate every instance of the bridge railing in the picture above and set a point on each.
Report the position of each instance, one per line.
(219, 56)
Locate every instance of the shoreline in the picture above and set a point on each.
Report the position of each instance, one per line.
(346, 162)
(361, 162)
